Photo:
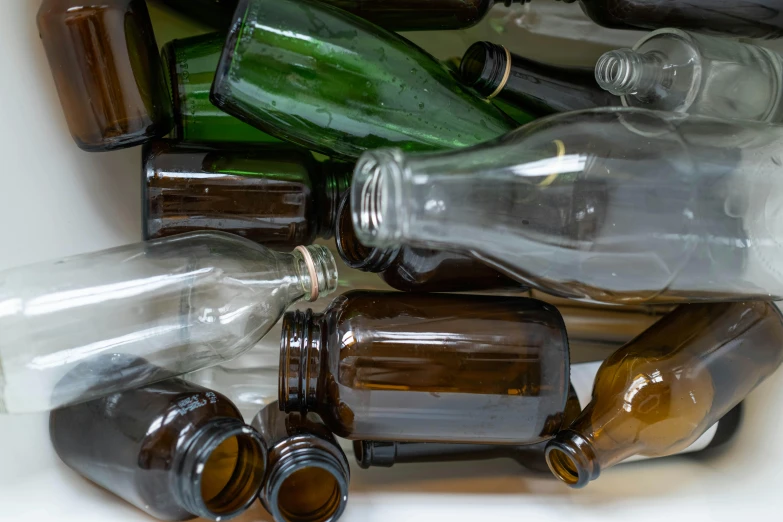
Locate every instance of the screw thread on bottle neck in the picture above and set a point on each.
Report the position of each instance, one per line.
(317, 270)
(624, 71)
(300, 361)
(193, 468)
(484, 67)
(352, 252)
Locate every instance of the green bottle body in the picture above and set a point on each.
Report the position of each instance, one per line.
(190, 66)
(334, 83)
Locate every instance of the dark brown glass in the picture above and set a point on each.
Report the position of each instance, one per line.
(214, 13)
(172, 449)
(412, 269)
(308, 473)
(533, 87)
(275, 195)
(107, 71)
(749, 18)
(428, 367)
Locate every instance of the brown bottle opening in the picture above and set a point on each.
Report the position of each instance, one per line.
(309, 494)
(353, 253)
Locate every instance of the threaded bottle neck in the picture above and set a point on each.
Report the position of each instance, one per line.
(317, 271)
(227, 452)
(336, 178)
(485, 67)
(352, 252)
(572, 459)
(301, 346)
(627, 72)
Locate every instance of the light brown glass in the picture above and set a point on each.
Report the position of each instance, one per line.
(662, 391)
(173, 449)
(107, 71)
(428, 367)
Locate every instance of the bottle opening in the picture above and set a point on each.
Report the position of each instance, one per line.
(317, 271)
(376, 197)
(485, 67)
(563, 466)
(310, 494)
(613, 71)
(362, 450)
(355, 254)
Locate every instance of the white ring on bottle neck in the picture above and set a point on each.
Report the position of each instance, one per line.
(310, 264)
(506, 74)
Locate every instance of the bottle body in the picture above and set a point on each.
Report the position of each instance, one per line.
(672, 70)
(661, 392)
(190, 66)
(177, 304)
(277, 195)
(342, 85)
(145, 444)
(107, 71)
(751, 19)
(428, 367)
(308, 473)
(533, 87)
(614, 205)
(214, 13)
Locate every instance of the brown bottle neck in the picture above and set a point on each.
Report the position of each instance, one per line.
(335, 181)
(353, 253)
(302, 346)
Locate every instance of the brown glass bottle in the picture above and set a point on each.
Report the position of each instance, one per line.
(533, 87)
(661, 392)
(412, 269)
(308, 473)
(107, 71)
(275, 195)
(427, 367)
(749, 18)
(173, 449)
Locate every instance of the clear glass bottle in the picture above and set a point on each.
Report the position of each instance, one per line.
(672, 70)
(530, 86)
(275, 195)
(107, 71)
(190, 66)
(641, 206)
(308, 473)
(340, 85)
(173, 449)
(177, 304)
(428, 367)
(663, 390)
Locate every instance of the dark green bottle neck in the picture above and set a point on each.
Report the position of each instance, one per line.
(486, 67)
(352, 252)
(302, 348)
(335, 180)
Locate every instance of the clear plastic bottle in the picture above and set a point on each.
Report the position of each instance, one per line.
(654, 207)
(673, 70)
(177, 304)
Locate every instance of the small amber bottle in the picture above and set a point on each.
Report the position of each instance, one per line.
(308, 473)
(412, 269)
(276, 195)
(107, 71)
(173, 449)
(664, 389)
(428, 367)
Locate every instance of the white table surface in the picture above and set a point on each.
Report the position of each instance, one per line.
(56, 200)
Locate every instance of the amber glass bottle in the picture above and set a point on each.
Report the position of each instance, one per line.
(661, 392)
(275, 195)
(172, 449)
(308, 473)
(412, 269)
(428, 367)
(107, 71)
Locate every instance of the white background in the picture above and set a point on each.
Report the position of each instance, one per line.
(56, 200)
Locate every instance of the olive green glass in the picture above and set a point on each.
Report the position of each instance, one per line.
(190, 66)
(332, 82)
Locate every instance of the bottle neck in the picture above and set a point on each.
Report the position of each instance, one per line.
(626, 72)
(225, 452)
(355, 254)
(486, 67)
(316, 272)
(336, 180)
(307, 480)
(302, 345)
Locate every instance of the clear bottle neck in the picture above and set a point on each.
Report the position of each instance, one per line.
(625, 72)
(316, 273)
(302, 346)
(200, 461)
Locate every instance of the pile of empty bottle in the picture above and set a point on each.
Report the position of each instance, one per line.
(630, 252)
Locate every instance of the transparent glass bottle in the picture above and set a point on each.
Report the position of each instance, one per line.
(173, 449)
(340, 85)
(275, 195)
(428, 367)
(107, 71)
(176, 304)
(672, 70)
(640, 206)
(308, 473)
(662, 391)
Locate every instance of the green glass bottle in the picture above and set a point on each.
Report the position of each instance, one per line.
(334, 83)
(190, 66)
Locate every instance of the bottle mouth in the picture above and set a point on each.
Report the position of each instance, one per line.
(309, 486)
(352, 252)
(370, 453)
(376, 197)
(614, 71)
(571, 459)
(317, 270)
(486, 67)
